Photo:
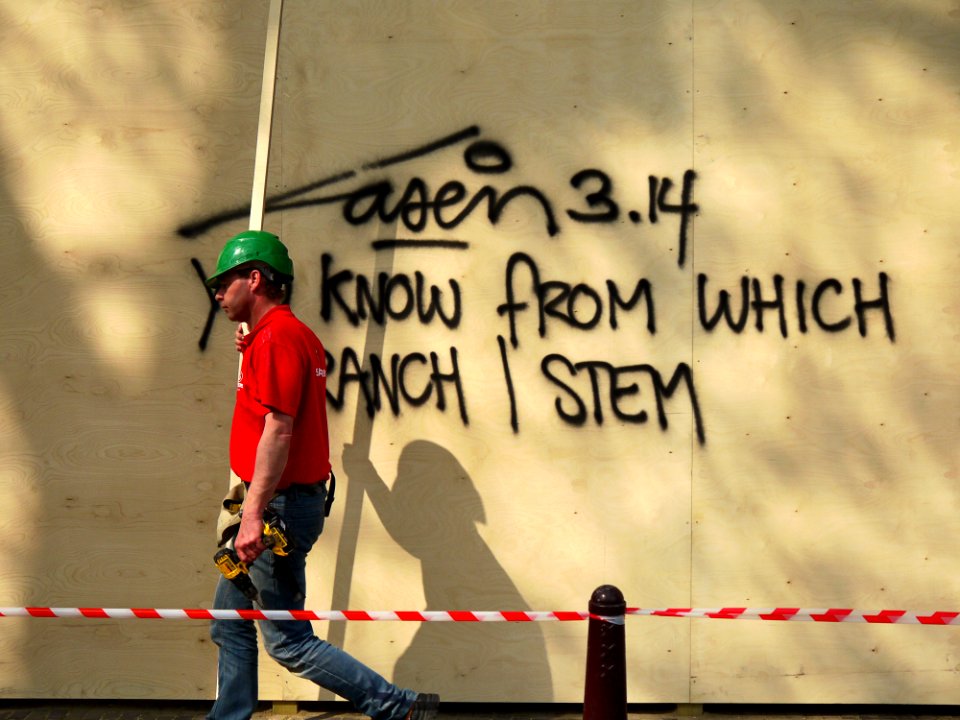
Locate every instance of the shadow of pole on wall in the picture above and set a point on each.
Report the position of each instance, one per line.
(362, 432)
(433, 511)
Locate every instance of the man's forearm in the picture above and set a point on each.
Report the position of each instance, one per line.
(272, 453)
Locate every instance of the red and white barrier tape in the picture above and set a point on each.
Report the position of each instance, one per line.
(362, 615)
(827, 615)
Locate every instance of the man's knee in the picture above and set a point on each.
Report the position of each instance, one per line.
(288, 646)
(239, 635)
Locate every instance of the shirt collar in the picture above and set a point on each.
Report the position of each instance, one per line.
(270, 315)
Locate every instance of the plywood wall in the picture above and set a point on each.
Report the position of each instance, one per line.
(554, 201)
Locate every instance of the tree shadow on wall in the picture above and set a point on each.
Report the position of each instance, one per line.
(433, 511)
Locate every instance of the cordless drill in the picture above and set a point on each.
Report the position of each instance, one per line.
(275, 533)
(233, 569)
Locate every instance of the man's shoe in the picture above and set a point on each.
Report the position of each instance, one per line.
(425, 707)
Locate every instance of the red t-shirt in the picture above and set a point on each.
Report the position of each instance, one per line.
(284, 368)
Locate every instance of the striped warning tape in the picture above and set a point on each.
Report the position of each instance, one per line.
(353, 615)
(828, 615)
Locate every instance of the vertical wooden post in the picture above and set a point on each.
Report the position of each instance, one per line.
(265, 123)
(264, 126)
(260, 165)
(605, 691)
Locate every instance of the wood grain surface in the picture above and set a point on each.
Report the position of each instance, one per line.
(532, 213)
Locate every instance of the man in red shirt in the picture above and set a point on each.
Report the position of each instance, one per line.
(279, 448)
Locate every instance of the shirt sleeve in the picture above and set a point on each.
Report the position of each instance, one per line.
(280, 376)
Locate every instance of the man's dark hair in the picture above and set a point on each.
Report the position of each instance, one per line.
(278, 286)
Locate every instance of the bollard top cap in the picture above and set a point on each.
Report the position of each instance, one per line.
(607, 600)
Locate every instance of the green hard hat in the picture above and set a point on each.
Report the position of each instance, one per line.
(250, 246)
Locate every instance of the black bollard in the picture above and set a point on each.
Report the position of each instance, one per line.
(605, 692)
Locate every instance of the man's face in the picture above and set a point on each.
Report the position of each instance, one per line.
(233, 293)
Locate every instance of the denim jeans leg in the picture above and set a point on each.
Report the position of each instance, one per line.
(237, 661)
(281, 582)
(295, 647)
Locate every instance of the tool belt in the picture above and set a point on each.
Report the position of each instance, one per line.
(228, 521)
(229, 517)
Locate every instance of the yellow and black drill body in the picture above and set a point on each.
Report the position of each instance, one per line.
(275, 535)
(236, 571)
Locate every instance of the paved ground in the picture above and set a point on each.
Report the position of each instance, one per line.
(122, 710)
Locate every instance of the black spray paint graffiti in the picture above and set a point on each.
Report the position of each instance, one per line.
(413, 379)
(753, 300)
(584, 307)
(580, 305)
(389, 296)
(586, 390)
(452, 203)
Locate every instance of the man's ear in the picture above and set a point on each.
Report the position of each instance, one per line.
(256, 279)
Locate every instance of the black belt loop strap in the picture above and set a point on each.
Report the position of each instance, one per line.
(331, 491)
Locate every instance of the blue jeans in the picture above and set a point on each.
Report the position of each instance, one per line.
(281, 582)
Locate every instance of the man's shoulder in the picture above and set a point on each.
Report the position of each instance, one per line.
(284, 326)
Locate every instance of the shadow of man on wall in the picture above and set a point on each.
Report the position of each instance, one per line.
(432, 511)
